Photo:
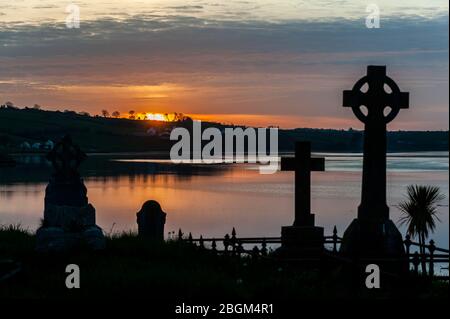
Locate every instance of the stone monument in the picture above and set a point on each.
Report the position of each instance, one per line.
(303, 238)
(151, 220)
(69, 219)
(373, 234)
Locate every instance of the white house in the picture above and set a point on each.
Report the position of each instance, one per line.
(25, 145)
(49, 145)
(164, 135)
(152, 131)
(36, 146)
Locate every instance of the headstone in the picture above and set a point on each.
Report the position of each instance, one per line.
(69, 219)
(303, 238)
(151, 220)
(373, 234)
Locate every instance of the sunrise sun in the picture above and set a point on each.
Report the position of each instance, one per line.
(156, 117)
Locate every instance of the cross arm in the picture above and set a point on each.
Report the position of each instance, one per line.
(352, 98)
(317, 164)
(401, 100)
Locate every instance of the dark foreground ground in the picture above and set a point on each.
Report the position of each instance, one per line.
(177, 272)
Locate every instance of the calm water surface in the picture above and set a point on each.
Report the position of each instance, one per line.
(211, 199)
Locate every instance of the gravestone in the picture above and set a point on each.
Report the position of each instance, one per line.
(69, 219)
(151, 220)
(372, 233)
(303, 238)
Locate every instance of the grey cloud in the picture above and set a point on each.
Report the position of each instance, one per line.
(49, 6)
(262, 64)
(187, 7)
(184, 35)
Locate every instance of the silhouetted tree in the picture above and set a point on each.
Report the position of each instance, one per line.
(179, 117)
(131, 115)
(36, 107)
(420, 213)
(105, 113)
(116, 114)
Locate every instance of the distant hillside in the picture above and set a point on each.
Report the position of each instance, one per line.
(93, 134)
(352, 141)
(98, 134)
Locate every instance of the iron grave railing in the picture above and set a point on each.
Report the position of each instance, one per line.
(255, 247)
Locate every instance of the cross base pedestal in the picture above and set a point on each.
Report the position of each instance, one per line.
(302, 220)
(380, 243)
(301, 241)
(367, 239)
(58, 240)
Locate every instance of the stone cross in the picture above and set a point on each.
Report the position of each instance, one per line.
(302, 164)
(69, 218)
(66, 157)
(382, 101)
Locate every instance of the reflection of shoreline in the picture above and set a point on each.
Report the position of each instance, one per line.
(390, 155)
(29, 166)
(165, 155)
(32, 169)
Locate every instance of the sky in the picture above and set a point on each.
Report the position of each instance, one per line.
(260, 62)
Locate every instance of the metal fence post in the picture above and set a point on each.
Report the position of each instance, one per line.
(335, 238)
(407, 243)
(431, 249)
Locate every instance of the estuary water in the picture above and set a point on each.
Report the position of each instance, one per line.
(212, 199)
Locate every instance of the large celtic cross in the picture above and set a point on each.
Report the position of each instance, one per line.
(375, 107)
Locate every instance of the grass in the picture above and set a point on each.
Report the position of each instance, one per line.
(131, 267)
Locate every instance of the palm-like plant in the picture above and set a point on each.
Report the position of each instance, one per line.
(420, 213)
